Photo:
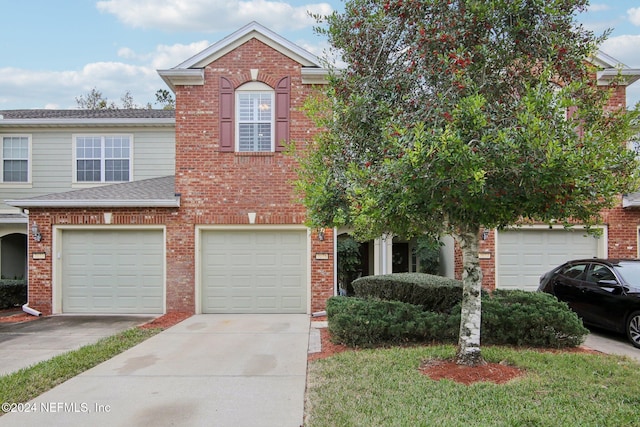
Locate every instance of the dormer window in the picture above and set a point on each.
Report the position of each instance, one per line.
(255, 114)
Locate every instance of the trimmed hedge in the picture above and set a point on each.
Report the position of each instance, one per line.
(433, 293)
(359, 322)
(12, 293)
(536, 319)
(508, 318)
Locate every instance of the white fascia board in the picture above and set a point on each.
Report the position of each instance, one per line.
(628, 75)
(182, 77)
(631, 200)
(16, 220)
(314, 76)
(57, 122)
(244, 34)
(160, 203)
(603, 60)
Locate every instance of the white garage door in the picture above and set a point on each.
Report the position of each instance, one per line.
(524, 255)
(112, 272)
(262, 271)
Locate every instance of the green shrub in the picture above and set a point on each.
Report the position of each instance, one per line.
(433, 293)
(520, 318)
(361, 322)
(12, 293)
(535, 319)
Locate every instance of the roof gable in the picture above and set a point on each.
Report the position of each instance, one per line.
(611, 68)
(241, 36)
(191, 71)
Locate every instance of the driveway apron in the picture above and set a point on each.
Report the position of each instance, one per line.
(209, 370)
(25, 344)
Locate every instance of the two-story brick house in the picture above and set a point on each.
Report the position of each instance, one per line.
(203, 216)
(53, 151)
(223, 231)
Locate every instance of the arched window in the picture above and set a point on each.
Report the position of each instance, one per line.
(254, 113)
(254, 117)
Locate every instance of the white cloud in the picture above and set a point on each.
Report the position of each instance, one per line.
(58, 89)
(167, 56)
(21, 88)
(634, 15)
(624, 48)
(211, 15)
(164, 56)
(598, 7)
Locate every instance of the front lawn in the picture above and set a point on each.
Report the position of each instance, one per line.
(384, 387)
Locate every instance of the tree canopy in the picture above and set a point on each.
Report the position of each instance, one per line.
(455, 115)
(95, 100)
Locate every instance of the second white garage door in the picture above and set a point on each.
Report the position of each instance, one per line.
(525, 254)
(263, 271)
(112, 271)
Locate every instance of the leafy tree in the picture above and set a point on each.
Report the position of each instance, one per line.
(461, 114)
(164, 98)
(94, 100)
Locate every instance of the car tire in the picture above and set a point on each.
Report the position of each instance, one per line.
(633, 328)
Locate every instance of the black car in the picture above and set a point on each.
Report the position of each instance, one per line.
(604, 292)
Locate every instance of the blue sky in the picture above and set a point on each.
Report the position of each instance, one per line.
(50, 54)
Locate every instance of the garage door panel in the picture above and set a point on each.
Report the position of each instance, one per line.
(524, 255)
(261, 269)
(112, 271)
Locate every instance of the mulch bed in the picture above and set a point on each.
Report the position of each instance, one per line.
(438, 369)
(167, 320)
(15, 315)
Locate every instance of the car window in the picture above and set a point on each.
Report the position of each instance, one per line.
(600, 272)
(574, 271)
(630, 271)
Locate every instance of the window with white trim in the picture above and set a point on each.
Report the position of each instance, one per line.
(15, 158)
(102, 158)
(254, 118)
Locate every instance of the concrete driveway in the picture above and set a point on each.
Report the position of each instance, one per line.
(611, 343)
(24, 344)
(209, 370)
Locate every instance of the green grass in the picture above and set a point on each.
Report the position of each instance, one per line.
(384, 387)
(28, 383)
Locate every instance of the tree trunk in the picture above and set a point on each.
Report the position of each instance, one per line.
(469, 340)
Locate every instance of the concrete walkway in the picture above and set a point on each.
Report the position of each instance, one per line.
(209, 370)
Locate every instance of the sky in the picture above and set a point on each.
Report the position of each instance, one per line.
(52, 52)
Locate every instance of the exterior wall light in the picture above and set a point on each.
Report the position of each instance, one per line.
(321, 234)
(35, 232)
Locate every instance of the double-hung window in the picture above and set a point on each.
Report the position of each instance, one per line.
(254, 118)
(15, 158)
(103, 158)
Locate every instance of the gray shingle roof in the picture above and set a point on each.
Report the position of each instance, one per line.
(87, 114)
(154, 192)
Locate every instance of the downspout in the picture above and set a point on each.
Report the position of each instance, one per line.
(28, 309)
(383, 254)
(25, 307)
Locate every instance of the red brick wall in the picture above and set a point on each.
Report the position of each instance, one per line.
(41, 270)
(223, 187)
(216, 187)
(622, 229)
